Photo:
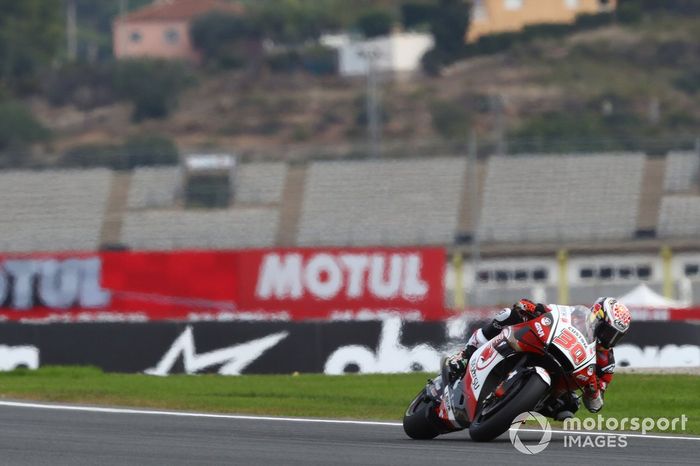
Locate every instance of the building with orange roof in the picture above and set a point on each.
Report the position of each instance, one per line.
(494, 16)
(162, 29)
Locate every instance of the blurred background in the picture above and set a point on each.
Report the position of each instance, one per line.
(550, 147)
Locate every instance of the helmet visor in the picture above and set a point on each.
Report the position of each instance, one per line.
(608, 335)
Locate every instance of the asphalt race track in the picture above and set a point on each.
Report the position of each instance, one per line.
(40, 436)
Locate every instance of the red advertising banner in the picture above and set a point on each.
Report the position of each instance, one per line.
(277, 284)
(345, 283)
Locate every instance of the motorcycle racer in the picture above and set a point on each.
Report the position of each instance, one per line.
(609, 320)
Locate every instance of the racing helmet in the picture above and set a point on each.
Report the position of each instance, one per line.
(611, 321)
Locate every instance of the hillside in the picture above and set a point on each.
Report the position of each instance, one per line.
(607, 87)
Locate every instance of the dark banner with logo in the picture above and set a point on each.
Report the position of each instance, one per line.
(236, 348)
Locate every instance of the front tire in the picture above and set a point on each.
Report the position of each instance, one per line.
(524, 400)
(417, 419)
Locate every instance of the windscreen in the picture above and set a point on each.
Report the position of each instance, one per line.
(580, 320)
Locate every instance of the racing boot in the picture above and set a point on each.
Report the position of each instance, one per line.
(562, 407)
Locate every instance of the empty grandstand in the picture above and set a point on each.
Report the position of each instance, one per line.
(200, 229)
(396, 202)
(520, 199)
(154, 187)
(561, 198)
(682, 172)
(52, 210)
(259, 183)
(535, 204)
(680, 217)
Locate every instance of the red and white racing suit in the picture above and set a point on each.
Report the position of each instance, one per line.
(525, 310)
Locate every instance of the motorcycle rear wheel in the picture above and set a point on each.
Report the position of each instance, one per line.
(416, 421)
(525, 400)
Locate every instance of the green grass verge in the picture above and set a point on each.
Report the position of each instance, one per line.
(382, 397)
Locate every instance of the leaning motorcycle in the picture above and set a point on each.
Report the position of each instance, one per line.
(524, 368)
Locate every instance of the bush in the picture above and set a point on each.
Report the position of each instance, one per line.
(449, 22)
(688, 82)
(283, 62)
(137, 151)
(432, 62)
(495, 43)
(92, 155)
(629, 13)
(546, 30)
(416, 14)
(592, 21)
(84, 85)
(150, 150)
(449, 26)
(153, 86)
(320, 60)
(450, 119)
(678, 7)
(18, 127)
(222, 38)
(375, 23)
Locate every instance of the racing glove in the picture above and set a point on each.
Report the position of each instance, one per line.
(457, 363)
(528, 310)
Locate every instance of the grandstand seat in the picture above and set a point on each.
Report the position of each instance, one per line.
(54, 210)
(679, 216)
(154, 187)
(561, 197)
(382, 202)
(259, 183)
(682, 171)
(202, 229)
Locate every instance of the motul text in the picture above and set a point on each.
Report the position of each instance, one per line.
(327, 276)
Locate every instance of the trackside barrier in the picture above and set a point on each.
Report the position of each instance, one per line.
(232, 348)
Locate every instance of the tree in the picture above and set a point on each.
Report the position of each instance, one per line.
(294, 22)
(95, 19)
(680, 7)
(450, 119)
(449, 26)
(152, 85)
(375, 23)
(30, 37)
(221, 37)
(18, 127)
(416, 14)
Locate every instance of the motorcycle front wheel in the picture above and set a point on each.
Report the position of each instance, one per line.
(417, 420)
(485, 429)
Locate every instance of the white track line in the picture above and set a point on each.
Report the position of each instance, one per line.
(95, 409)
(614, 434)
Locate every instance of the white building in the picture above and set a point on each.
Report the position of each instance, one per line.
(396, 53)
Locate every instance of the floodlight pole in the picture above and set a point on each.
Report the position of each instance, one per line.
(71, 30)
(497, 108)
(472, 166)
(374, 130)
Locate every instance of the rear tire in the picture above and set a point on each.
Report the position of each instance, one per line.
(525, 400)
(417, 421)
